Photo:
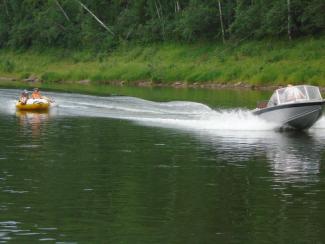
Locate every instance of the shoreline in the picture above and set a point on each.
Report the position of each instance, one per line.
(83, 84)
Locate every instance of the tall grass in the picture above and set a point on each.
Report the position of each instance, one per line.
(254, 62)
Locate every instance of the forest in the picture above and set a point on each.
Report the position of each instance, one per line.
(104, 24)
(251, 42)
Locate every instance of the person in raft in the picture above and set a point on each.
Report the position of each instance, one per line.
(24, 97)
(36, 94)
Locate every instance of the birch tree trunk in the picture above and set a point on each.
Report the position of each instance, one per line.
(157, 10)
(6, 7)
(221, 22)
(62, 10)
(289, 20)
(96, 18)
(177, 7)
(160, 17)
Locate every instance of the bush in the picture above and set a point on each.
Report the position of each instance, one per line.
(51, 77)
(7, 66)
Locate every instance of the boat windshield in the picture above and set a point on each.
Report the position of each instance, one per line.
(291, 94)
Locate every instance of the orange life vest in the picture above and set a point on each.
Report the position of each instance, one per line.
(36, 95)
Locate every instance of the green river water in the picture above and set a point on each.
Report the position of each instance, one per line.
(177, 166)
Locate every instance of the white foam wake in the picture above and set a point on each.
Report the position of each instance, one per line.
(230, 120)
(320, 124)
(177, 114)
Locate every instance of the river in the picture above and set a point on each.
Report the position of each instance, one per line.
(156, 169)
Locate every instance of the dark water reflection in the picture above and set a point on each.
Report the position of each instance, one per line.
(70, 178)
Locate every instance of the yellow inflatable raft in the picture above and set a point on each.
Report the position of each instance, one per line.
(37, 106)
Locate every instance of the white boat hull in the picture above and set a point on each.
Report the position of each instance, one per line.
(297, 115)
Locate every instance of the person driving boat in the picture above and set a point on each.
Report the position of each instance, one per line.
(292, 93)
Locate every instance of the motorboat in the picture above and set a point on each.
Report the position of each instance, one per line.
(34, 105)
(298, 107)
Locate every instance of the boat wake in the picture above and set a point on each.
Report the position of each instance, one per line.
(176, 114)
(218, 120)
(320, 124)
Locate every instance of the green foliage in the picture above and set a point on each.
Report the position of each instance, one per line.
(255, 62)
(197, 21)
(67, 24)
(24, 76)
(7, 66)
(51, 77)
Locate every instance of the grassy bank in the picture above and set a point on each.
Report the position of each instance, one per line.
(254, 63)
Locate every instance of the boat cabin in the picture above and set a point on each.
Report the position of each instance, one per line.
(292, 94)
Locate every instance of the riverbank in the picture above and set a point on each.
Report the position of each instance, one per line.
(9, 82)
(252, 65)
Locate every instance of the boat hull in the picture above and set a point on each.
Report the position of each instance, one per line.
(33, 107)
(297, 115)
